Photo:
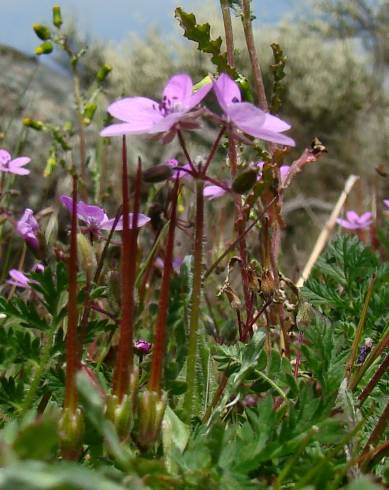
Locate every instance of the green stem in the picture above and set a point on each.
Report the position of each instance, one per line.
(196, 300)
(72, 348)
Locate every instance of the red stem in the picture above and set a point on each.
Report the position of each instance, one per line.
(160, 326)
(72, 348)
(124, 359)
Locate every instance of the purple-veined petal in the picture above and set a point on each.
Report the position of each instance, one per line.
(198, 96)
(227, 91)
(178, 90)
(89, 213)
(142, 220)
(139, 111)
(213, 192)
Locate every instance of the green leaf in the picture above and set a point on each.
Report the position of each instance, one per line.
(175, 435)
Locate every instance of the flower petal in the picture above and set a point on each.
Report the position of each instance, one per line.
(122, 129)
(198, 96)
(5, 156)
(246, 116)
(213, 192)
(352, 217)
(227, 91)
(139, 111)
(166, 123)
(366, 218)
(179, 90)
(142, 220)
(273, 123)
(19, 162)
(346, 224)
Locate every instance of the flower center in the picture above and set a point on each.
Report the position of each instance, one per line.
(168, 106)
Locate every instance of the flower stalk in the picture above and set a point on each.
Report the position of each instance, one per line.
(195, 302)
(72, 348)
(160, 326)
(124, 359)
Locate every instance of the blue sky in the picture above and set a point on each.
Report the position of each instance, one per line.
(112, 20)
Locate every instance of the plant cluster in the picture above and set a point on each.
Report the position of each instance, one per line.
(142, 351)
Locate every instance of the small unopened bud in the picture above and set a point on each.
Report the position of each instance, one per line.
(44, 48)
(245, 181)
(43, 32)
(159, 173)
(89, 112)
(71, 430)
(86, 256)
(57, 16)
(151, 411)
(32, 123)
(103, 72)
(50, 165)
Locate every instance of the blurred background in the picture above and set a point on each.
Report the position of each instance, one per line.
(337, 89)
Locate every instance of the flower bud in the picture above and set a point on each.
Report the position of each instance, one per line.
(86, 256)
(32, 123)
(71, 430)
(244, 181)
(267, 283)
(142, 346)
(151, 411)
(103, 72)
(44, 48)
(57, 16)
(121, 413)
(51, 163)
(158, 173)
(43, 32)
(89, 112)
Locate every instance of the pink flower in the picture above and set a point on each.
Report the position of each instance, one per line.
(15, 166)
(27, 228)
(182, 174)
(141, 115)
(142, 346)
(18, 279)
(95, 217)
(386, 202)
(355, 222)
(246, 117)
(38, 267)
(213, 192)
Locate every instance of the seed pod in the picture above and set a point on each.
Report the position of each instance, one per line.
(103, 72)
(57, 16)
(159, 173)
(43, 32)
(44, 48)
(244, 181)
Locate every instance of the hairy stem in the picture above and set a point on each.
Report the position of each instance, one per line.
(160, 327)
(250, 43)
(228, 31)
(72, 348)
(196, 300)
(124, 359)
